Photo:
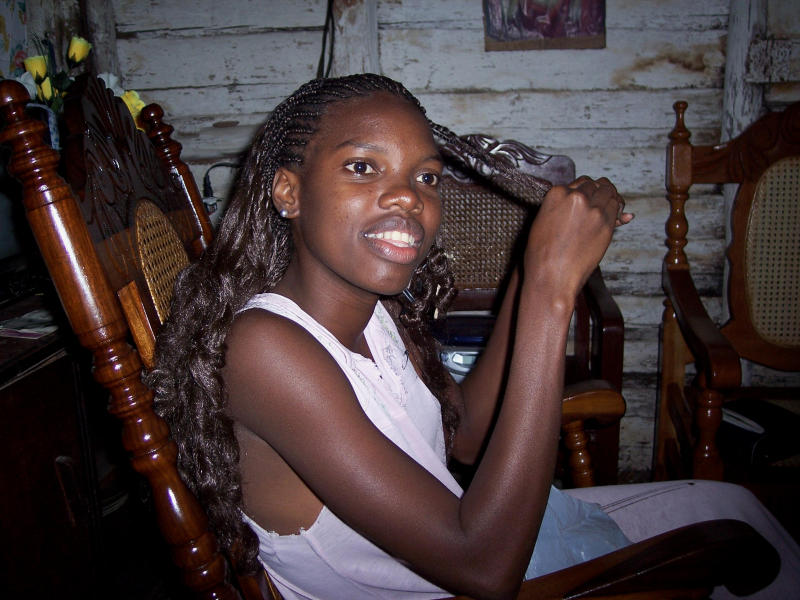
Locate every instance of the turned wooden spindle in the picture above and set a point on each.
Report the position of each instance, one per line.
(708, 418)
(708, 405)
(98, 322)
(169, 152)
(591, 399)
(580, 462)
(678, 181)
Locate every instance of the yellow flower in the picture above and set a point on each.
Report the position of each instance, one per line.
(133, 102)
(36, 66)
(78, 49)
(45, 89)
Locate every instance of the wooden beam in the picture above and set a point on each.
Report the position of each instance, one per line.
(773, 61)
(98, 15)
(742, 100)
(356, 44)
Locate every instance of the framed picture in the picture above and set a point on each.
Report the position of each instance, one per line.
(544, 24)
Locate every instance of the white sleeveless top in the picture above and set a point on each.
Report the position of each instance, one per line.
(330, 560)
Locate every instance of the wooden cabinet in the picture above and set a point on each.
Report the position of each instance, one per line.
(49, 512)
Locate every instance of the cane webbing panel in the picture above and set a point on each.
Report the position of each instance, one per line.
(161, 254)
(772, 254)
(479, 230)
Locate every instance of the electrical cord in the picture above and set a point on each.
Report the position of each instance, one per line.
(215, 207)
(328, 28)
(207, 191)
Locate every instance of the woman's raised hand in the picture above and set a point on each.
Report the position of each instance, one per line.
(571, 233)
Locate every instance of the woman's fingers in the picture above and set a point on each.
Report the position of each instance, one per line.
(622, 217)
(573, 229)
(601, 192)
(625, 218)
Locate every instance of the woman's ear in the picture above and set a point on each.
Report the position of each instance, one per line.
(286, 192)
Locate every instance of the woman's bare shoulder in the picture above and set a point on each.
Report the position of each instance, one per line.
(249, 327)
(262, 346)
(277, 372)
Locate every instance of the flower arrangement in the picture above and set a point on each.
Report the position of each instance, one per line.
(48, 86)
(52, 85)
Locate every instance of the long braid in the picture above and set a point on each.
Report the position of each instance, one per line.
(249, 256)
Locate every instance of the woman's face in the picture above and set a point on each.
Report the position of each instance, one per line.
(367, 204)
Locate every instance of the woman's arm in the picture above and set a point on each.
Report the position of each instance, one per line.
(482, 388)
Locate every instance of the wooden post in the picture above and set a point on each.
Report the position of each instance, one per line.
(169, 152)
(356, 47)
(678, 180)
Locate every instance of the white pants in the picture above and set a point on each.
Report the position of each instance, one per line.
(647, 509)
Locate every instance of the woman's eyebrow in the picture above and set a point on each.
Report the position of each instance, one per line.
(360, 145)
(434, 156)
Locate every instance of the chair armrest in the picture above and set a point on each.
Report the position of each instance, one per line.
(715, 357)
(594, 399)
(608, 330)
(703, 555)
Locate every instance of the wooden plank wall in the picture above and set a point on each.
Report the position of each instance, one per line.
(608, 109)
(218, 68)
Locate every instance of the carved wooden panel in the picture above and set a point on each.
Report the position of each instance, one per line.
(112, 166)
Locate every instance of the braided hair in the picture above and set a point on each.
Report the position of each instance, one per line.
(249, 256)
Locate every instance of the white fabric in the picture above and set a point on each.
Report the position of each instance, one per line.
(330, 560)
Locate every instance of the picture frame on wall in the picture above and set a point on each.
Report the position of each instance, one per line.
(544, 24)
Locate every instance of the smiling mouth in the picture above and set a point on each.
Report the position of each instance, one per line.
(396, 239)
(402, 239)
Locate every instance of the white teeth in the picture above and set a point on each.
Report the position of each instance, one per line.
(393, 236)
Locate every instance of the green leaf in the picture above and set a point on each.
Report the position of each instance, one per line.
(61, 80)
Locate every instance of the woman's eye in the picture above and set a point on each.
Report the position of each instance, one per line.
(428, 179)
(359, 167)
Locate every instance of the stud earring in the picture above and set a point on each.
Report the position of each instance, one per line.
(284, 213)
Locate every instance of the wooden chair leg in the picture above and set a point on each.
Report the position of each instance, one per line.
(592, 399)
(675, 355)
(580, 462)
(708, 417)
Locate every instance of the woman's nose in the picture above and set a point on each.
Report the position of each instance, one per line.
(403, 195)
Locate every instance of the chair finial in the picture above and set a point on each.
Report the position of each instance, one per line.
(31, 157)
(13, 92)
(169, 152)
(679, 132)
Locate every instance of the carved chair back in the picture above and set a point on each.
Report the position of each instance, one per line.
(482, 224)
(138, 199)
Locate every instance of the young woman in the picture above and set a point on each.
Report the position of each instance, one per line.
(307, 399)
